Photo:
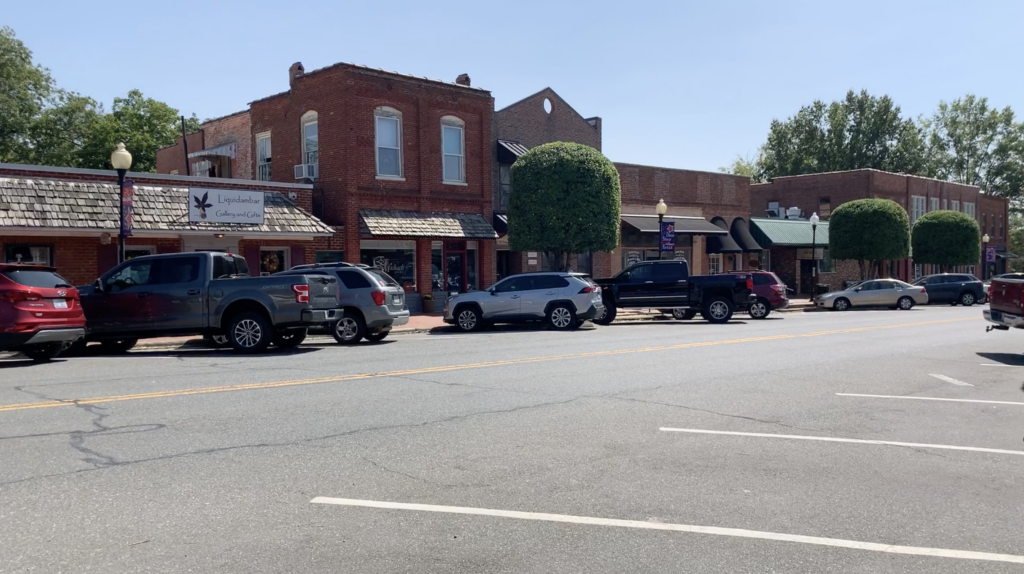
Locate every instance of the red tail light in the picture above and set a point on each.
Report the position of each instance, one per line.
(750, 283)
(301, 293)
(923, 289)
(780, 289)
(587, 289)
(18, 296)
(378, 297)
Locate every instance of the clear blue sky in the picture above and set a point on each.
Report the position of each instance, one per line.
(678, 84)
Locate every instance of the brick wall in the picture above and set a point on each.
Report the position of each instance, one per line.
(344, 98)
(81, 260)
(233, 128)
(172, 158)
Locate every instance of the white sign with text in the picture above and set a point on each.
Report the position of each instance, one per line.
(225, 206)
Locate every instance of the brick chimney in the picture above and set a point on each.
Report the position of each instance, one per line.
(295, 71)
(463, 80)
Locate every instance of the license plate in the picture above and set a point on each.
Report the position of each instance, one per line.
(997, 315)
(396, 299)
(60, 304)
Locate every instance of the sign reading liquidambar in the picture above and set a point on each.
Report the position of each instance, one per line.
(224, 206)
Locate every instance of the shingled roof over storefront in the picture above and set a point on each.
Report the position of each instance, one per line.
(87, 205)
(381, 222)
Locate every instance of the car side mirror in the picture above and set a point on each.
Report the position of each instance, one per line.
(858, 288)
(492, 292)
(98, 285)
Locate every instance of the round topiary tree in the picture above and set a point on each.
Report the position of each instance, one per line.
(565, 199)
(946, 238)
(869, 230)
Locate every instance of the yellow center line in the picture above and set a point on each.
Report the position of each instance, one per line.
(445, 368)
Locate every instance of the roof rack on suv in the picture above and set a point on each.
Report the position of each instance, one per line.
(332, 264)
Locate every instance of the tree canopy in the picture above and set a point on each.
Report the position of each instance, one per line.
(565, 199)
(872, 230)
(946, 238)
(861, 131)
(40, 123)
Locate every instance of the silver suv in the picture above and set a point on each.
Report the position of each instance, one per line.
(372, 302)
(563, 300)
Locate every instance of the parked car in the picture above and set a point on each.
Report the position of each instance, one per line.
(562, 299)
(891, 293)
(39, 311)
(770, 292)
(1006, 306)
(953, 288)
(668, 284)
(370, 303)
(204, 293)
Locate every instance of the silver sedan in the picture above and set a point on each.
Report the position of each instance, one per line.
(890, 293)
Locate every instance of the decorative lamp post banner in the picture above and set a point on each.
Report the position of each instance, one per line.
(668, 236)
(990, 255)
(225, 206)
(127, 198)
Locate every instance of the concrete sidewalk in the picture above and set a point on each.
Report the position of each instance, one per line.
(428, 323)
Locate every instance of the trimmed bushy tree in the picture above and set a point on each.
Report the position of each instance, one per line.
(565, 199)
(869, 230)
(946, 238)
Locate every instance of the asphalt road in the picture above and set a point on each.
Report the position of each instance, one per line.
(536, 451)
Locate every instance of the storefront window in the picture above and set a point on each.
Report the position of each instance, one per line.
(436, 266)
(273, 260)
(330, 256)
(133, 252)
(471, 280)
(396, 258)
(35, 254)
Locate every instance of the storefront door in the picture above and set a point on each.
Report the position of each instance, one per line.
(455, 270)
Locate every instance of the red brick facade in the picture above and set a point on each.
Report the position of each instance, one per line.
(344, 99)
(811, 193)
(231, 129)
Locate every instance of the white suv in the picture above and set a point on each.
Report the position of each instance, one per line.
(562, 299)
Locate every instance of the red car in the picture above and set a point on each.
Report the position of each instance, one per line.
(39, 311)
(770, 292)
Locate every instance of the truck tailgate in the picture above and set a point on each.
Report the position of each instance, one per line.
(1006, 296)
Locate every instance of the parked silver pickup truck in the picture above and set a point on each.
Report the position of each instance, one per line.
(204, 293)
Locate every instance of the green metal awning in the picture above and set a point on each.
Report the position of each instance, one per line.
(788, 232)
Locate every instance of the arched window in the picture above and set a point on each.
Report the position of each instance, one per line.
(453, 150)
(310, 138)
(388, 126)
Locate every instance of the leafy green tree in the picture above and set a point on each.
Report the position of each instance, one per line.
(741, 166)
(24, 90)
(65, 134)
(869, 230)
(946, 238)
(565, 200)
(971, 143)
(1015, 240)
(861, 131)
(143, 124)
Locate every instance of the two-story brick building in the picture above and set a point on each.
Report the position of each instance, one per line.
(822, 193)
(400, 165)
(222, 148)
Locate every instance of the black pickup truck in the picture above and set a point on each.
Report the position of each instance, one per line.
(204, 293)
(668, 285)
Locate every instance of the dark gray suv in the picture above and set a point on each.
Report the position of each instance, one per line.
(371, 301)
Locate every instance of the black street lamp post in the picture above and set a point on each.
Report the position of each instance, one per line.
(814, 253)
(121, 160)
(984, 256)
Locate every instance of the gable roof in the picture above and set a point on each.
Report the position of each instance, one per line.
(550, 93)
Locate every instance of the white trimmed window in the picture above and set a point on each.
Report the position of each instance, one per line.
(389, 142)
(934, 206)
(310, 138)
(917, 207)
(955, 205)
(263, 156)
(945, 204)
(714, 263)
(969, 210)
(453, 136)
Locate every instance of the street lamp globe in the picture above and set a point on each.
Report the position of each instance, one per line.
(120, 158)
(814, 219)
(661, 208)
(985, 238)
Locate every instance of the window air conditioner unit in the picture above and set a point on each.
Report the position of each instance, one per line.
(306, 171)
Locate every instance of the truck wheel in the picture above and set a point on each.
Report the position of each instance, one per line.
(117, 346)
(718, 310)
(608, 315)
(561, 317)
(683, 314)
(42, 353)
(290, 339)
(350, 329)
(250, 332)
